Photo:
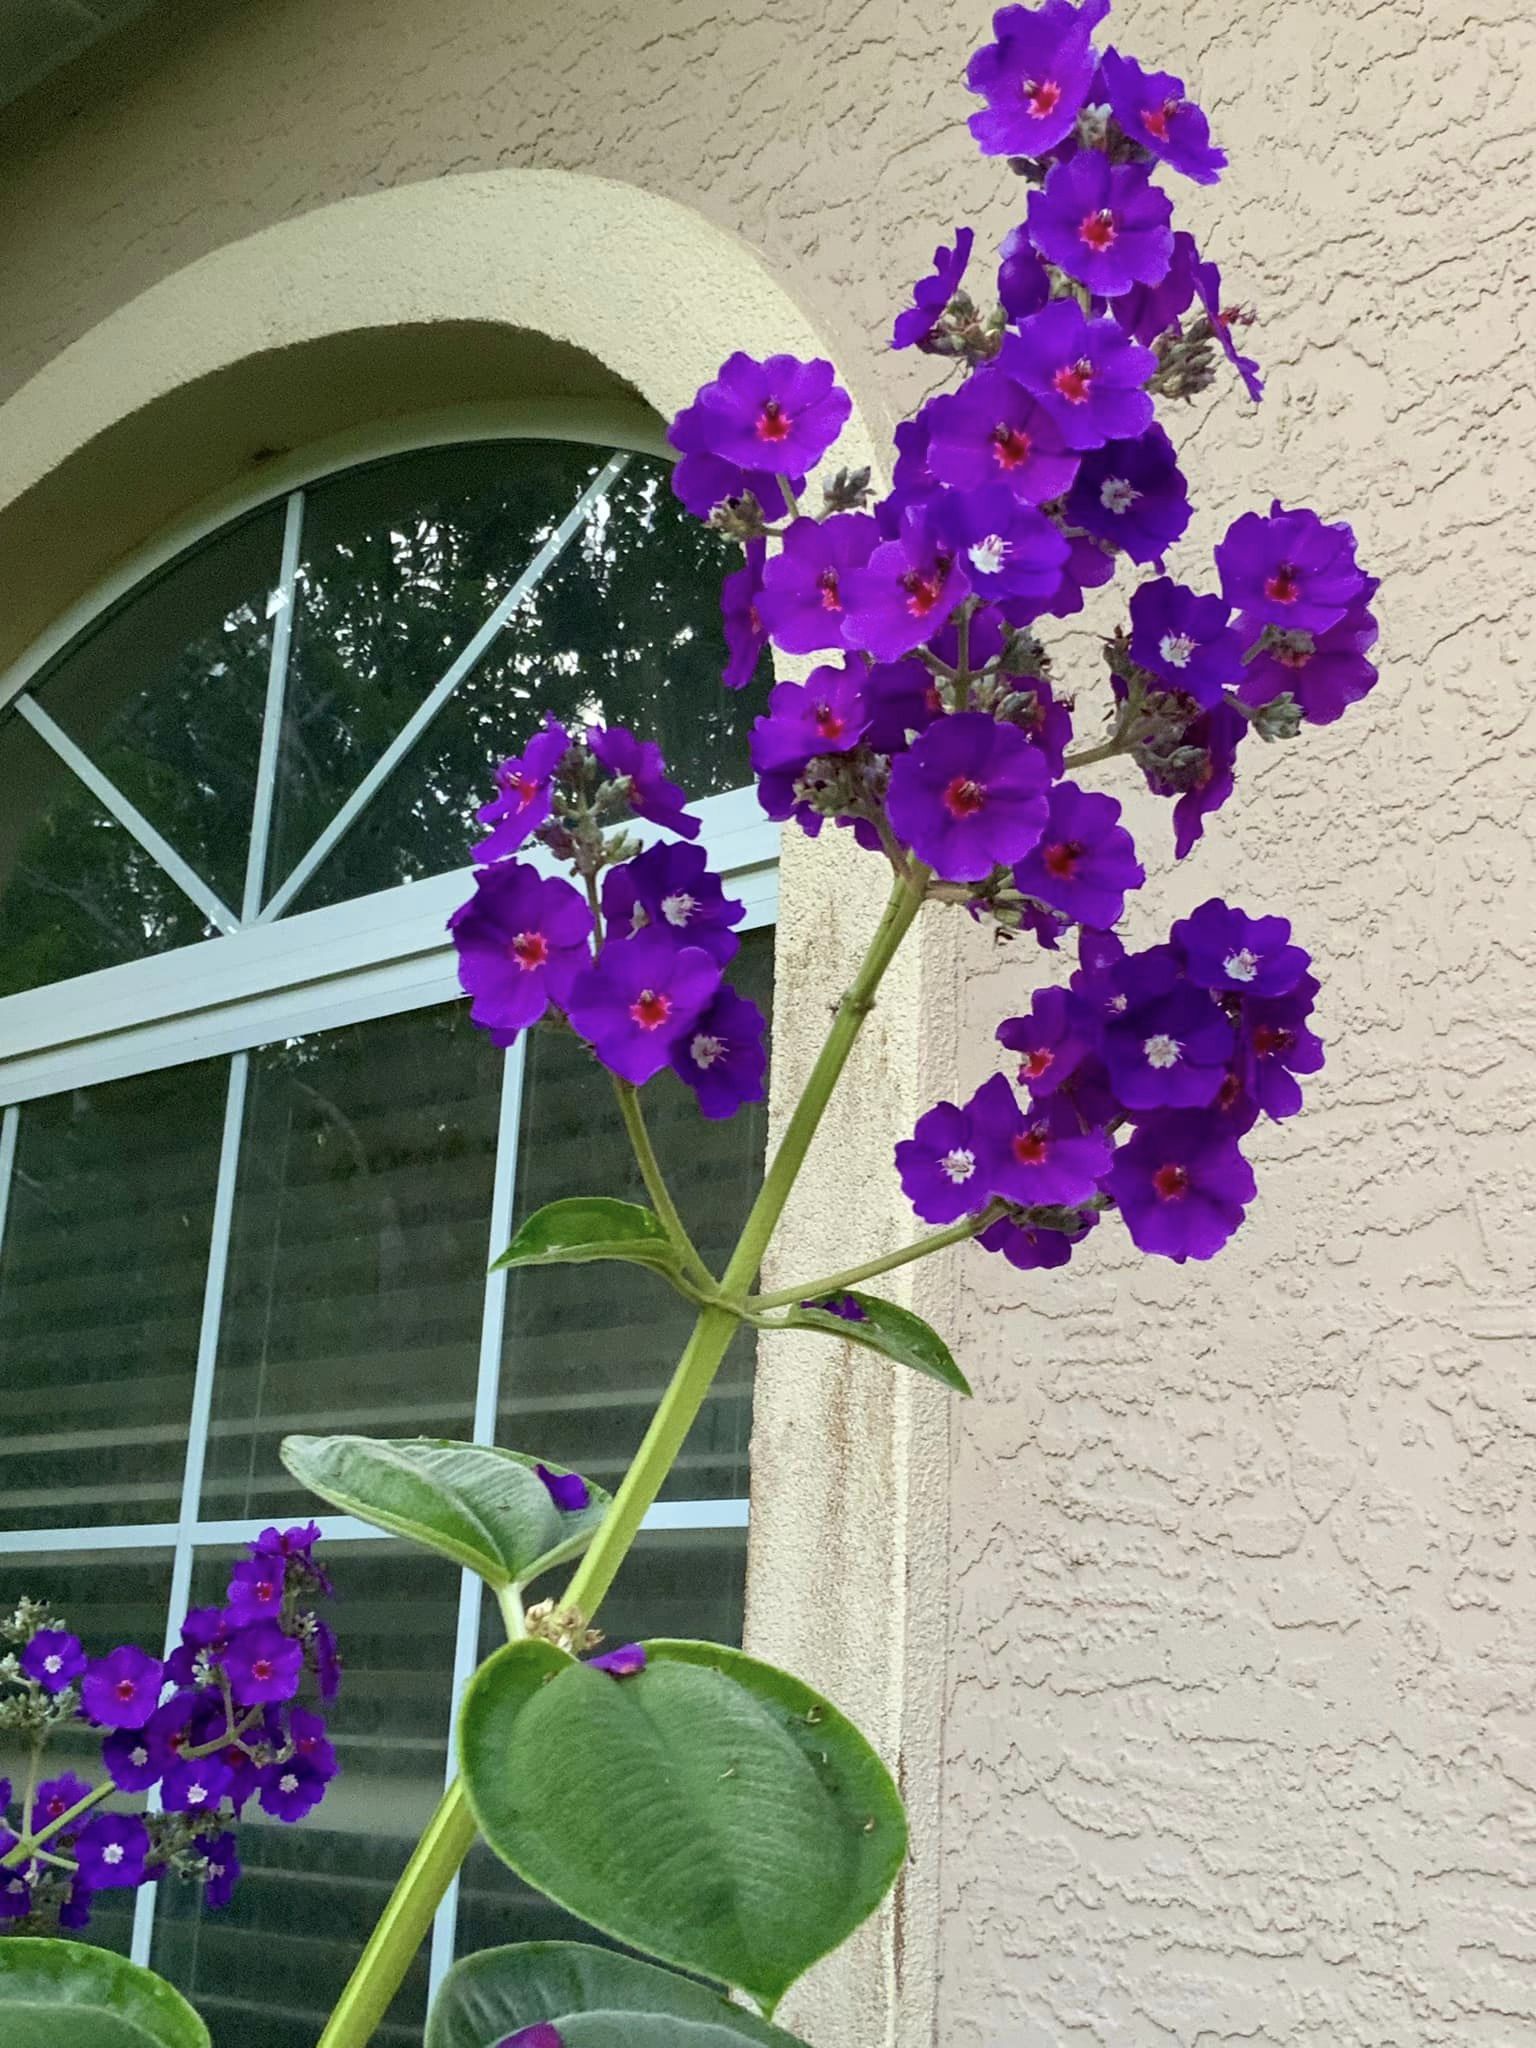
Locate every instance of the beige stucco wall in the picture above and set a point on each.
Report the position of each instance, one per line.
(1234, 1647)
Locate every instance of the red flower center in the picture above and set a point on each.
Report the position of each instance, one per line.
(523, 786)
(1268, 1039)
(1039, 1062)
(1061, 859)
(1030, 1147)
(1295, 650)
(829, 724)
(1042, 96)
(651, 1008)
(1098, 230)
(1155, 119)
(964, 798)
(773, 422)
(923, 592)
(1170, 1183)
(261, 1667)
(1284, 587)
(1072, 381)
(1011, 445)
(831, 597)
(529, 950)
(123, 1690)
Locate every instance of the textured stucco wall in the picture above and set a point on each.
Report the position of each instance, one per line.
(1236, 1642)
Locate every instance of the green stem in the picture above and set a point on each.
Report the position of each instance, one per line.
(655, 1180)
(957, 1233)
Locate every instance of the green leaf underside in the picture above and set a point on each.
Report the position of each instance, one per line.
(496, 1993)
(894, 1332)
(588, 1227)
(483, 1507)
(711, 1811)
(63, 1994)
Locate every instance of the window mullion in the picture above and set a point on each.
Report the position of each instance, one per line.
(272, 717)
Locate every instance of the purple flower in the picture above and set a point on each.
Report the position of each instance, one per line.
(53, 1659)
(296, 1541)
(742, 619)
(75, 1907)
(135, 1758)
(1133, 495)
(203, 1629)
(781, 415)
(1276, 1046)
(1053, 1039)
(968, 796)
(524, 793)
(625, 1662)
(700, 482)
(802, 605)
(221, 1859)
(196, 1786)
(1226, 950)
(327, 1661)
(670, 886)
(825, 715)
(1150, 106)
(1090, 562)
(1289, 570)
(111, 1849)
(307, 1733)
(903, 700)
(723, 1057)
(1169, 1047)
(568, 1490)
(1040, 1156)
(992, 430)
(930, 295)
(846, 1307)
(55, 1796)
(122, 1689)
(290, 1790)
(1181, 1184)
(1184, 640)
(1085, 861)
(1223, 319)
(1148, 310)
(1088, 374)
(1325, 672)
(1011, 550)
(15, 1888)
(263, 1664)
(945, 1167)
(256, 1590)
(521, 939)
(1031, 1248)
(906, 590)
(543, 2034)
(639, 764)
(639, 998)
(1034, 78)
(1106, 224)
(1023, 282)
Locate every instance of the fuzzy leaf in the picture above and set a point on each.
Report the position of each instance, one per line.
(892, 1331)
(586, 1227)
(64, 1994)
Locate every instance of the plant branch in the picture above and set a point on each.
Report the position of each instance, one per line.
(936, 1241)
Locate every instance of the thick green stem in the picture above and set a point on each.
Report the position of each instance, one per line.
(655, 1181)
(957, 1233)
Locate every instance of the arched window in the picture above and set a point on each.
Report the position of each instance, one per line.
(252, 1156)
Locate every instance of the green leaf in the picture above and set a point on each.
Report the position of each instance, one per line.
(590, 1227)
(481, 1506)
(711, 1810)
(641, 2030)
(63, 1994)
(893, 1332)
(501, 1990)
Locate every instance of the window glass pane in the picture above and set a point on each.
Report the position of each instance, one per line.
(101, 1294)
(166, 694)
(107, 1597)
(624, 627)
(77, 892)
(588, 1350)
(265, 1971)
(687, 1583)
(357, 1261)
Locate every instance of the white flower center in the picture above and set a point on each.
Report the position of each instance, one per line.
(53, 1664)
(1161, 1050)
(958, 1165)
(139, 1757)
(1241, 966)
(1117, 494)
(196, 1794)
(678, 909)
(990, 554)
(113, 1853)
(705, 1049)
(1176, 648)
(287, 1782)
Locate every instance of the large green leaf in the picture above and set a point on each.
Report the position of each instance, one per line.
(642, 2030)
(483, 1507)
(710, 1810)
(501, 1990)
(588, 1227)
(893, 1332)
(62, 1994)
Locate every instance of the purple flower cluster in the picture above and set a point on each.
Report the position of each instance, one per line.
(214, 1725)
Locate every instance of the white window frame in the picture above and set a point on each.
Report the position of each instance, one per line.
(268, 975)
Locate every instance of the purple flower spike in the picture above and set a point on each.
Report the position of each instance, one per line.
(568, 1490)
(1184, 640)
(1088, 374)
(521, 938)
(1133, 495)
(1040, 1156)
(625, 1662)
(780, 415)
(993, 430)
(639, 998)
(1289, 570)
(945, 1167)
(524, 793)
(545, 2034)
(724, 1058)
(53, 1659)
(670, 887)
(1325, 672)
(906, 590)
(742, 619)
(112, 1849)
(1085, 861)
(1035, 77)
(122, 1689)
(1150, 106)
(968, 796)
(802, 606)
(930, 295)
(639, 763)
(1105, 224)
(1234, 954)
(1182, 1185)
(263, 1664)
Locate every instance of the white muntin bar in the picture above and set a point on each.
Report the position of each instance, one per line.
(272, 717)
(132, 820)
(428, 709)
(10, 1129)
